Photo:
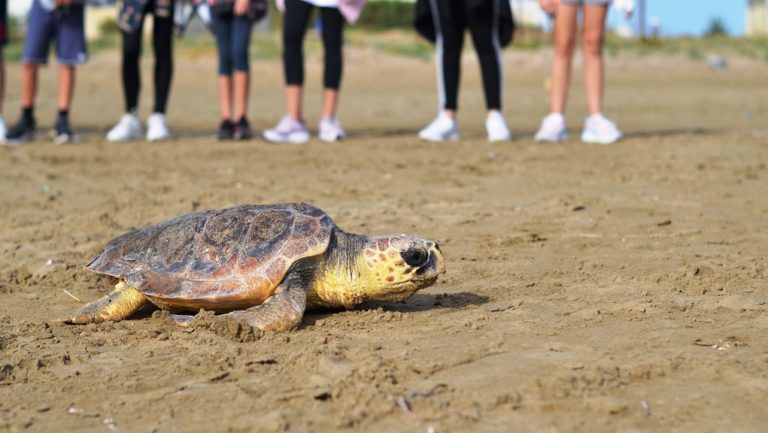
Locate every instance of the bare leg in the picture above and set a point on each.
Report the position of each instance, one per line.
(118, 305)
(242, 84)
(293, 95)
(66, 86)
(225, 96)
(28, 84)
(594, 32)
(281, 312)
(565, 41)
(330, 102)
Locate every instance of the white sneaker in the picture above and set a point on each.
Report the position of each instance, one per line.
(330, 130)
(599, 130)
(497, 127)
(157, 127)
(128, 128)
(552, 129)
(3, 130)
(441, 129)
(288, 130)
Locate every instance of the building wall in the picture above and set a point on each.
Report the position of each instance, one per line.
(757, 18)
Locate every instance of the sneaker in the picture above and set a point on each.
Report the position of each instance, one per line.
(497, 127)
(21, 132)
(62, 131)
(226, 130)
(242, 129)
(128, 128)
(157, 128)
(552, 129)
(288, 130)
(330, 130)
(441, 129)
(3, 130)
(599, 130)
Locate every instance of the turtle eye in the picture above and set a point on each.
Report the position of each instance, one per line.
(415, 256)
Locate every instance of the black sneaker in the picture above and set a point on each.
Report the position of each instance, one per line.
(243, 129)
(63, 131)
(226, 130)
(21, 132)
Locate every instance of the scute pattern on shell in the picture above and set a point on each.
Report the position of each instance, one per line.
(219, 259)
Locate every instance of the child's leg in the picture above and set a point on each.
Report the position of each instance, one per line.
(594, 32)
(333, 39)
(222, 30)
(450, 27)
(28, 84)
(162, 43)
(241, 41)
(565, 40)
(130, 68)
(482, 27)
(294, 27)
(66, 86)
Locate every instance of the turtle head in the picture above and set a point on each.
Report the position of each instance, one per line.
(394, 267)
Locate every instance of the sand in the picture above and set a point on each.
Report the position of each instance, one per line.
(589, 288)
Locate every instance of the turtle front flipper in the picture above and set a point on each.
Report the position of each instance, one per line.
(121, 303)
(281, 312)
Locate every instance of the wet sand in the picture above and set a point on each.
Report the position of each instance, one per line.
(589, 288)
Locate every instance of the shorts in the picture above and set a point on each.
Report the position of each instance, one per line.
(3, 22)
(66, 26)
(586, 2)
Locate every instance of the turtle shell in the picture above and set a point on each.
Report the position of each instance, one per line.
(219, 259)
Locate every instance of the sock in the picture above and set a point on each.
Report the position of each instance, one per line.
(64, 114)
(28, 113)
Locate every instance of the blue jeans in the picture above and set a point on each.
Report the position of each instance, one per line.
(233, 38)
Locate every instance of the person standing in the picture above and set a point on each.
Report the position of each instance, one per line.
(231, 22)
(62, 21)
(597, 128)
(444, 22)
(292, 128)
(132, 14)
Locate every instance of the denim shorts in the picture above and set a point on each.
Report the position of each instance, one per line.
(64, 25)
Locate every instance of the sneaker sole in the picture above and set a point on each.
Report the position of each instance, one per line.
(13, 142)
(294, 138)
(63, 139)
(590, 138)
(450, 137)
(330, 138)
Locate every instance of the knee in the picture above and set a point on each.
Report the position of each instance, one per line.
(593, 43)
(564, 46)
(240, 56)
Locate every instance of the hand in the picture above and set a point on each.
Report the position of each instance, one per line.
(241, 7)
(63, 3)
(549, 6)
(627, 7)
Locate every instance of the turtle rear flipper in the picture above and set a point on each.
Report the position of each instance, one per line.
(121, 303)
(281, 312)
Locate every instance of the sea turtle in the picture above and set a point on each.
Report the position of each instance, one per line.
(262, 265)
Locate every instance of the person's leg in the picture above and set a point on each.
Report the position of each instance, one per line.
(566, 24)
(294, 27)
(241, 41)
(482, 22)
(162, 43)
(66, 86)
(594, 33)
(130, 68)
(450, 26)
(222, 30)
(333, 39)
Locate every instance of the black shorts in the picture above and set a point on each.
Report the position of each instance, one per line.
(3, 22)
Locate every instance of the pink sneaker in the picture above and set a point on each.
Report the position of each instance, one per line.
(288, 130)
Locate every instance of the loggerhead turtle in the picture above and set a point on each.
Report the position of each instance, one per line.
(262, 265)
